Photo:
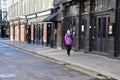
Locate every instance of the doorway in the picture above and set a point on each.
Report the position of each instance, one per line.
(48, 34)
(69, 23)
(99, 33)
(83, 33)
(29, 33)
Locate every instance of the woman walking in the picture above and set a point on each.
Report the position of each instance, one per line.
(68, 41)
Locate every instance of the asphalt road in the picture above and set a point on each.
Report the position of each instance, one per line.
(19, 65)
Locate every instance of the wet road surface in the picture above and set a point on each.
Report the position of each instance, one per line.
(18, 65)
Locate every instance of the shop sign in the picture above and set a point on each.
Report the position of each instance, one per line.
(82, 28)
(110, 29)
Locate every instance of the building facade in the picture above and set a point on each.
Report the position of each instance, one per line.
(102, 38)
(25, 17)
(94, 24)
(4, 10)
(4, 29)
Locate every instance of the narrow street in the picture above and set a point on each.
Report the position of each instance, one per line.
(18, 65)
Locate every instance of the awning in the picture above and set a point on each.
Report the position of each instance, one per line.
(51, 17)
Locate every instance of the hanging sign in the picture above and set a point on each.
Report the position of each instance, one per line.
(110, 29)
(82, 28)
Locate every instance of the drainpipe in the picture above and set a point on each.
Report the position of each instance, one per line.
(79, 18)
(90, 30)
(116, 33)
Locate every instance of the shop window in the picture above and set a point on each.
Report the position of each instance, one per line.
(104, 27)
(100, 5)
(84, 7)
(99, 27)
(95, 24)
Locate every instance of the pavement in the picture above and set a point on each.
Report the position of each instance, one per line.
(87, 62)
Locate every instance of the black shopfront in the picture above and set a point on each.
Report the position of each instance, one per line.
(102, 31)
(95, 25)
(70, 22)
(117, 30)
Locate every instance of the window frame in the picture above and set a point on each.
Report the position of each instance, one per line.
(100, 5)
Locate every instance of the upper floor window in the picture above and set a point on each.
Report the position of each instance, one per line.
(84, 7)
(119, 4)
(71, 10)
(101, 5)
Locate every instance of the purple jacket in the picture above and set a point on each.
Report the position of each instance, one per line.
(68, 39)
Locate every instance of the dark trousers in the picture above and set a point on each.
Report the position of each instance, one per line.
(68, 47)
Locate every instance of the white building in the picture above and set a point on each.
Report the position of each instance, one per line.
(17, 8)
(4, 9)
